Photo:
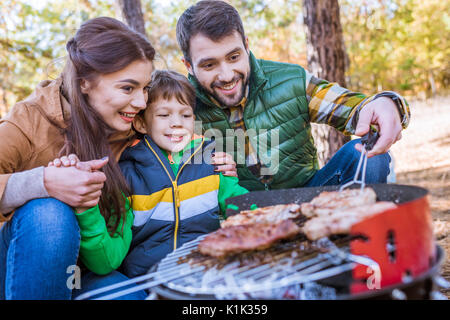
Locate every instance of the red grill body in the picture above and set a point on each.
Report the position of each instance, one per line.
(401, 241)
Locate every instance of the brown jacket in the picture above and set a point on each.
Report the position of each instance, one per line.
(31, 134)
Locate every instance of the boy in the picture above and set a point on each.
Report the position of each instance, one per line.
(175, 197)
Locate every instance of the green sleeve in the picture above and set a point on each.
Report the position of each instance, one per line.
(100, 252)
(229, 187)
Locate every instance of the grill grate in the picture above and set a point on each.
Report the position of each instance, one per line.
(263, 274)
(286, 264)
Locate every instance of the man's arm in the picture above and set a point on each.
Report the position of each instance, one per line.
(343, 109)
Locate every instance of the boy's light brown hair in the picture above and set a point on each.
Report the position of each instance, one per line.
(168, 84)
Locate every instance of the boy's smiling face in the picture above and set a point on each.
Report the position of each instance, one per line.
(169, 123)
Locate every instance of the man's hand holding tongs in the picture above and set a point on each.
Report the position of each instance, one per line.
(381, 113)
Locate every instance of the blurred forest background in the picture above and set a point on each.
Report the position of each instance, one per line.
(400, 45)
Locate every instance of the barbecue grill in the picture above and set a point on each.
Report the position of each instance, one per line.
(390, 255)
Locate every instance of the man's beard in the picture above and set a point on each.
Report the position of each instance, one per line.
(224, 101)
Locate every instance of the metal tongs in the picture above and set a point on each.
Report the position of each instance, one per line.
(368, 141)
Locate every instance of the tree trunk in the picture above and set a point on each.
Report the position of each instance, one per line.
(131, 11)
(432, 83)
(327, 60)
(3, 104)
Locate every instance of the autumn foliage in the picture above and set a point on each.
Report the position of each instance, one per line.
(400, 45)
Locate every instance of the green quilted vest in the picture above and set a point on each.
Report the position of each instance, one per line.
(277, 123)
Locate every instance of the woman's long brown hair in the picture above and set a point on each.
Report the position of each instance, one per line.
(101, 45)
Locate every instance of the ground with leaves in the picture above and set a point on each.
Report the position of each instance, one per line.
(422, 158)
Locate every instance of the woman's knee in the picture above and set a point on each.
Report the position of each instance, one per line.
(48, 218)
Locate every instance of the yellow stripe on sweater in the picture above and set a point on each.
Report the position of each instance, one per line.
(148, 202)
(198, 187)
(186, 191)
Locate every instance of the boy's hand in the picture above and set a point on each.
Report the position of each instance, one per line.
(65, 161)
(223, 162)
(72, 161)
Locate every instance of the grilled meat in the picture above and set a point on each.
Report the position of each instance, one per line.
(271, 214)
(326, 202)
(329, 213)
(246, 237)
(340, 220)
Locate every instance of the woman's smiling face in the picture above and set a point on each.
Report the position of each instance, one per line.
(120, 95)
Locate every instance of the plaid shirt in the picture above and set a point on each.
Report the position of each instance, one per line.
(328, 103)
(338, 107)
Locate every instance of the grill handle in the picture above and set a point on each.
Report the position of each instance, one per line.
(398, 294)
(441, 282)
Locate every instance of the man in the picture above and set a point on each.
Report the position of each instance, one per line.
(236, 91)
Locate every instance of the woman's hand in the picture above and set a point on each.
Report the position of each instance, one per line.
(79, 185)
(223, 162)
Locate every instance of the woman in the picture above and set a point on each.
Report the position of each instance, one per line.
(88, 111)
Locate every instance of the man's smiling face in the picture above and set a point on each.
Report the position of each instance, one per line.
(221, 67)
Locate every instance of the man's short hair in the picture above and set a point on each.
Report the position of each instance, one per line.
(214, 19)
(168, 84)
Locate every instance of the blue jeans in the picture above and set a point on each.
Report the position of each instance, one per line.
(342, 167)
(38, 247)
